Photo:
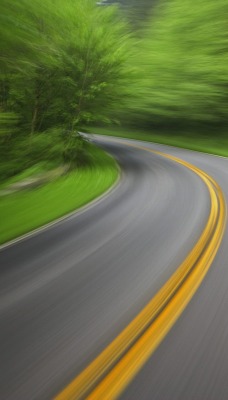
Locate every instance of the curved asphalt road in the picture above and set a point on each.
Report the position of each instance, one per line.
(69, 290)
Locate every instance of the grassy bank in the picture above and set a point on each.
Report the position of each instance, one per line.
(213, 144)
(26, 210)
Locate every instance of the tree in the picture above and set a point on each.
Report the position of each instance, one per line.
(183, 64)
(62, 64)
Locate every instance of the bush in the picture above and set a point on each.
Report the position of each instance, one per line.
(54, 147)
(75, 150)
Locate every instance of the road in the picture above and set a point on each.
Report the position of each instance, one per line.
(67, 292)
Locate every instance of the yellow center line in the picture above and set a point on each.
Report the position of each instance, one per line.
(141, 337)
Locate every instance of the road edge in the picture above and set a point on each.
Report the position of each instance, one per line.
(69, 215)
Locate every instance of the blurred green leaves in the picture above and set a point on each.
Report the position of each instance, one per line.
(72, 63)
(61, 64)
(183, 64)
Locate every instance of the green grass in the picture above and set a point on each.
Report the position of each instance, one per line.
(36, 169)
(213, 144)
(24, 211)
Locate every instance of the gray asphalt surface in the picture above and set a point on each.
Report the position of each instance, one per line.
(69, 290)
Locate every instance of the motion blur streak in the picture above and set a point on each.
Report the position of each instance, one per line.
(143, 335)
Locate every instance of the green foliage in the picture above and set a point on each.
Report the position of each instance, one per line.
(71, 69)
(54, 146)
(183, 64)
(69, 64)
(75, 149)
(61, 64)
(8, 123)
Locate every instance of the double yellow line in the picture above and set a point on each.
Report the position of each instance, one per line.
(110, 373)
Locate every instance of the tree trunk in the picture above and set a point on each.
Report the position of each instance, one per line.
(36, 109)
